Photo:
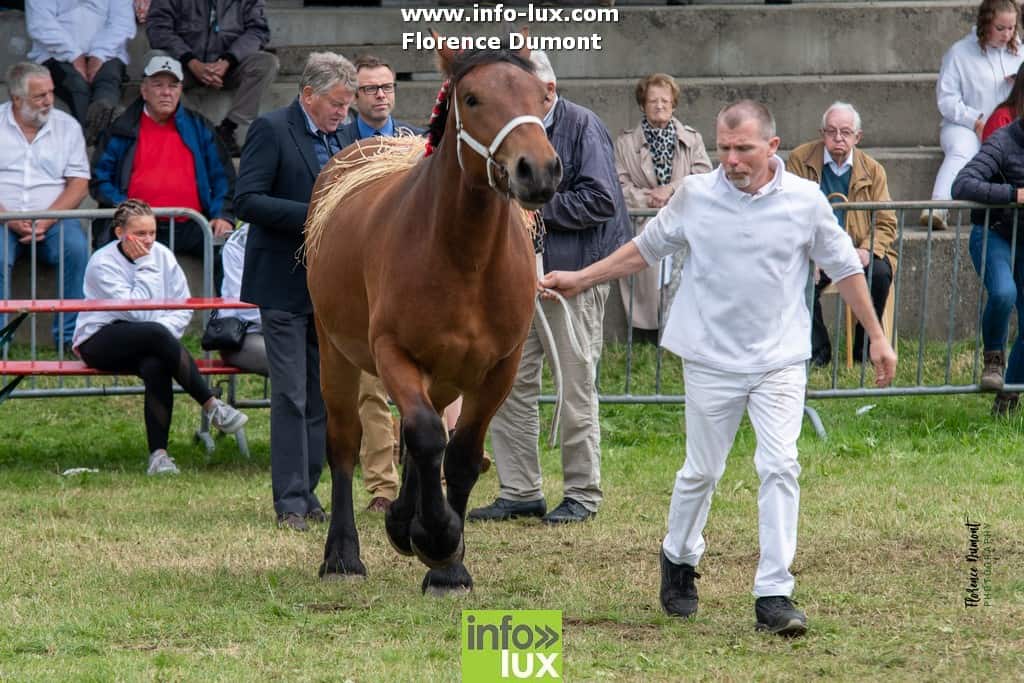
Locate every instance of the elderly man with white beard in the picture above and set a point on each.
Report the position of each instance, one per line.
(43, 167)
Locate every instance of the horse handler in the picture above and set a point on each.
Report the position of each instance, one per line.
(740, 323)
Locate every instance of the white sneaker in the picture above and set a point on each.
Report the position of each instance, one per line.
(161, 463)
(227, 419)
(937, 217)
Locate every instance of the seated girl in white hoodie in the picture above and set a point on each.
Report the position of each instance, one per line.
(145, 343)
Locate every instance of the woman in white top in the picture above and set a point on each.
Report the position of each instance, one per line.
(976, 75)
(145, 343)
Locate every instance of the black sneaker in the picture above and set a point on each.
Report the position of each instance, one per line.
(292, 521)
(568, 511)
(776, 614)
(678, 589)
(502, 509)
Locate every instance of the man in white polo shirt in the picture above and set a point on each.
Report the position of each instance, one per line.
(740, 323)
(43, 167)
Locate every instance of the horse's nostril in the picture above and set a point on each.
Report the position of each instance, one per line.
(523, 169)
(555, 168)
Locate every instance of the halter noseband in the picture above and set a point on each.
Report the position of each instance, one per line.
(487, 152)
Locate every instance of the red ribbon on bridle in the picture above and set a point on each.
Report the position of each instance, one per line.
(442, 95)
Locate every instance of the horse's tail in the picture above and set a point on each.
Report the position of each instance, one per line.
(370, 160)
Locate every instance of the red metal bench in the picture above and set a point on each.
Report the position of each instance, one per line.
(20, 369)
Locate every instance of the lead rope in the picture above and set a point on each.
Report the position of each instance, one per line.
(540, 316)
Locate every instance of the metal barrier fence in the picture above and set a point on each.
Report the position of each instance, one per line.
(934, 280)
(932, 267)
(84, 218)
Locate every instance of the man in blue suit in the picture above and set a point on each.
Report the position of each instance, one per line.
(283, 154)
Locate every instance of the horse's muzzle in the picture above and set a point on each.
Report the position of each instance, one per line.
(534, 184)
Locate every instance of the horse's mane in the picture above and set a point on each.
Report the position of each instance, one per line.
(463, 63)
(378, 156)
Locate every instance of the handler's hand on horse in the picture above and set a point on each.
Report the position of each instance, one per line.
(563, 282)
(884, 359)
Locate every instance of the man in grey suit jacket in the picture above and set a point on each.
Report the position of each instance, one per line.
(283, 154)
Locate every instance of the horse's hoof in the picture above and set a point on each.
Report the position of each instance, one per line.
(442, 592)
(397, 532)
(443, 562)
(453, 581)
(407, 551)
(342, 578)
(341, 571)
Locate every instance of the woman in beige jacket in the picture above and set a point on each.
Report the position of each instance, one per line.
(652, 160)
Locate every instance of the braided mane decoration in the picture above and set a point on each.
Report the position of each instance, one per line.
(438, 118)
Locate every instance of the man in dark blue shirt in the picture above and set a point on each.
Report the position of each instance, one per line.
(375, 100)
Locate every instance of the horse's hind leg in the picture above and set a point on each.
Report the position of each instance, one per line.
(463, 459)
(339, 382)
(434, 529)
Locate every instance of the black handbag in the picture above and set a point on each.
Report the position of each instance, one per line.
(223, 333)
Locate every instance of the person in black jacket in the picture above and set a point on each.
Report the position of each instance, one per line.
(282, 157)
(221, 44)
(585, 221)
(996, 176)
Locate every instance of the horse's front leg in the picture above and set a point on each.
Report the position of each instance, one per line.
(339, 381)
(434, 529)
(463, 460)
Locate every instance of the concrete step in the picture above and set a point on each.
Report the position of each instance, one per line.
(895, 109)
(910, 171)
(690, 41)
(693, 41)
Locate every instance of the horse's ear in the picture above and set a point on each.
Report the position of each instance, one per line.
(445, 55)
(524, 51)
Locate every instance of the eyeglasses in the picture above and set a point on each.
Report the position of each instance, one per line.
(371, 90)
(844, 133)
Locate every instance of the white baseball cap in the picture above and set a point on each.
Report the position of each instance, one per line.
(163, 64)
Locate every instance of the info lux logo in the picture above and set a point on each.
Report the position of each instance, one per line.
(503, 645)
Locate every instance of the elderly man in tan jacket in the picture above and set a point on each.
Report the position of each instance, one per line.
(845, 173)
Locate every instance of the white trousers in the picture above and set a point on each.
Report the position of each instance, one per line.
(959, 144)
(715, 401)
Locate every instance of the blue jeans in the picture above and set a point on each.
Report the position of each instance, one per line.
(1005, 287)
(76, 255)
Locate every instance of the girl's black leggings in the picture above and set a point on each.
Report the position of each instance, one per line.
(149, 350)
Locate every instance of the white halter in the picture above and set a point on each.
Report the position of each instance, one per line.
(486, 152)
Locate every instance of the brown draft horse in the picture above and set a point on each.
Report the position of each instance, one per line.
(426, 278)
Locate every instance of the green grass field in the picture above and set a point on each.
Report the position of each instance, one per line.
(118, 576)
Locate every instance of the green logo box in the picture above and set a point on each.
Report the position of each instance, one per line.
(509, 645)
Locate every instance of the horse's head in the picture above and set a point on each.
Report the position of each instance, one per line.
(496, 105)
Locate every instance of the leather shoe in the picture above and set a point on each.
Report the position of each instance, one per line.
(292, 521)
(502, 509)
(568, 510)
(379, 504)
(317, 515)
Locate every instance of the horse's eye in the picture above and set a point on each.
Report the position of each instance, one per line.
(471, 101)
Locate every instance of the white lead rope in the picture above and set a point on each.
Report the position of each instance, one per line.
(556, 365)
